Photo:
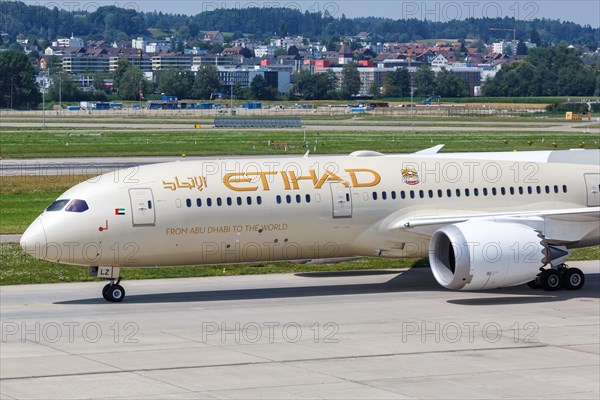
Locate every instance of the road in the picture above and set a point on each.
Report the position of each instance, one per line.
(342, 335)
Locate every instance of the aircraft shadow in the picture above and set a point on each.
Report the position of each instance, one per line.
(414, 280)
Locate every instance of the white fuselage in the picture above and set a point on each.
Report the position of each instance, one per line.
(230, 211)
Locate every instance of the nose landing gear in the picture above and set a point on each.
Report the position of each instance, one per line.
(113, 292)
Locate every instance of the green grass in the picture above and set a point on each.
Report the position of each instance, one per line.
(18, 268)
(64, 143)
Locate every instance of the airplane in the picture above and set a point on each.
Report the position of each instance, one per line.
(485, 220)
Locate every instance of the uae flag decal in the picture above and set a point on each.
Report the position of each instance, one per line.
(119, 211)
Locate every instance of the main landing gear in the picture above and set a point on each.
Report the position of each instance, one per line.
(560, 277)
(113, 292)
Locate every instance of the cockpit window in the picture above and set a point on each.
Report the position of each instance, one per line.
(57, 205)
(77, 206)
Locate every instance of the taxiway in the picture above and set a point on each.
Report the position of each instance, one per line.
(381, 335)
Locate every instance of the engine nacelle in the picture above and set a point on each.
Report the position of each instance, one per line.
(478, 255)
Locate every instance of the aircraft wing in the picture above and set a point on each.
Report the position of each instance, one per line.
(569, 224)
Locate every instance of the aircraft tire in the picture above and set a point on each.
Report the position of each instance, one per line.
(573, 279)
(113, 293)
(550, 280)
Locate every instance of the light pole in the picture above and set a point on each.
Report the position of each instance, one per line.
(44, 102)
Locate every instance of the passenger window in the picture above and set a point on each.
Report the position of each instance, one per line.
(538, 190)
(564, 188)
(421, 194)
(374, 195)
(249, 200)
(485, 191)
(298, 198)
(209, 202)
(229, 201)
(393, 195)
(430, 194)
(57, 205)
(188, 202)
(384, 195)
(412, 194)
(440, 193)
(467, 192)
(556, 189)
(512, 190)
(259, 200)
(457, 192)
(494, 191)
(308, 198)
(77, 206)
(403, 194)
(449, 193)
(199, 202)
(239, 201)
(278, 199)
(503, 191)
(529, 190)
(219, 202)
(476, 192)
(288, 199)
(520, 189)
(547, 188)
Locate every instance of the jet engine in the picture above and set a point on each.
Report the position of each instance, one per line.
(477, 255)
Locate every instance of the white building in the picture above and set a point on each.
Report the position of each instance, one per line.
(264, 51)
(138, 43)
(157, 47)
(68, 42)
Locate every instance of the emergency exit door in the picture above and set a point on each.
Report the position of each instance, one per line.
(142, 207)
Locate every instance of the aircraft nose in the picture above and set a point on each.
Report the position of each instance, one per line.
(34, 240)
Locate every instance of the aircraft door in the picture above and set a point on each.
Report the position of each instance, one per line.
(592, 183)
(341, 200)
(142, 207)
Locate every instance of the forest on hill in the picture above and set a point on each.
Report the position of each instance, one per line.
(113, 23)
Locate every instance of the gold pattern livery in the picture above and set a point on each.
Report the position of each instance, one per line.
(248, 182)
(198, 182)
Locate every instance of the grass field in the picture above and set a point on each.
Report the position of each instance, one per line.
(82, 143)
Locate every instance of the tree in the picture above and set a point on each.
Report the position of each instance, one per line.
(449, 85)
(246, 52)
(176, 83)
(64, 88)
(424, 81)
(375, 90)
(521, 48)
(535, 38)
(350, 81)
(130, 81)
(397, 83)
(240, 92)
(206, 82)
(261, 90)
(292, 51)
(17, 81)
(319, 86)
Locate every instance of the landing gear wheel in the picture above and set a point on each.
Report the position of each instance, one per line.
(550, 280)
(113, 293)
(535, 284)
(573, 279)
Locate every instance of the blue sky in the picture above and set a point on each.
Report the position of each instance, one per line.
(580, 11)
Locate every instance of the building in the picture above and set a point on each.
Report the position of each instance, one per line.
(230, 76)
(68, 42)
(214, 37)
(157, 47)
(176, 61)
(264, 51)
(345, 54)
(138, 43)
